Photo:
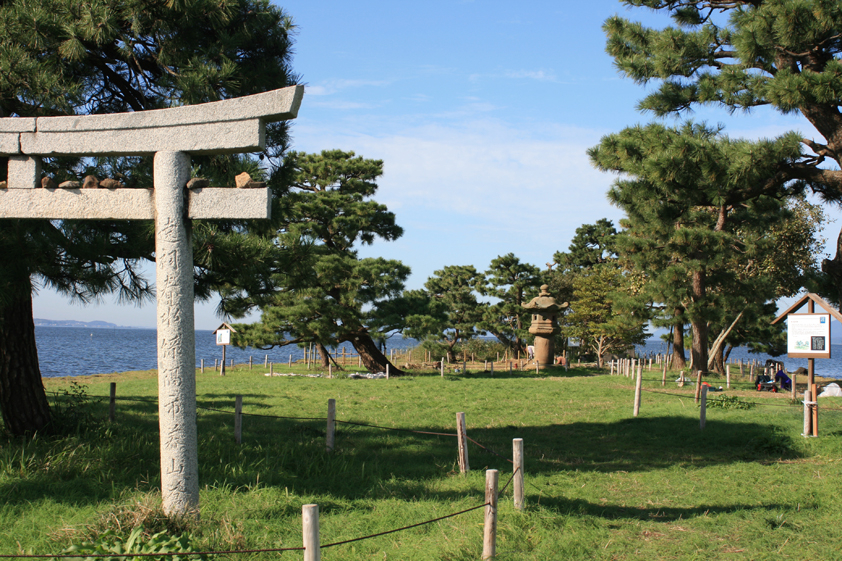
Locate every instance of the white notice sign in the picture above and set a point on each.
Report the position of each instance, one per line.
(223, 337)
(808, 335)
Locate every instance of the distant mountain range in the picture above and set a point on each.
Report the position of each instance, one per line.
(73, 323)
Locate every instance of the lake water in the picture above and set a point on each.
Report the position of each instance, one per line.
(76, 351)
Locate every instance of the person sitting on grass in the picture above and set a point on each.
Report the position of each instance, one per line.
(786, 383)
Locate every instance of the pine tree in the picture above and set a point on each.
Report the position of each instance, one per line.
(744, 54)
(699, 206)
(64, 57)
(320, 290)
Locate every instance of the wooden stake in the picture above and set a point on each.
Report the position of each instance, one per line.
(310, 531)
(517, 466)
(251, 362)
(202, 363)
(331, 424)
(728, 376)
(698, 391)
(442, 367)
(462, 443)
(794, 376)
(222, 371)
(289, 364)
(808, 425)
(703, 408)
(266, 361)
(489, 532)
(815, 393)
(637, 388)
(238, 419)
(664, 376)
(112, 403)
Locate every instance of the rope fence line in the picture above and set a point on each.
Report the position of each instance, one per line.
(263, 550)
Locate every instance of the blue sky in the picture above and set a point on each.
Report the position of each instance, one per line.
(481, 112)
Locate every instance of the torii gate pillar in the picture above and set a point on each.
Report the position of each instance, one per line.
(176, 336)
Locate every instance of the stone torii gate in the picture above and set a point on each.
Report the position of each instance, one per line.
(172, 135)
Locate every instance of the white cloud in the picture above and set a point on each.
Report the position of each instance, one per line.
(540, 75)
(330, 87)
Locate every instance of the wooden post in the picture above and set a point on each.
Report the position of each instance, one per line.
(637, 388)
(251, 362)
(238, 419)
(794, 376)
(310, 531)
(517, 466)
(681, 379)
(698, 391)
(216, 364)
(387, 370)
(612, 367)
(266, 361)
(808, 425)
(331, 425)
(329, 370)
(703, 408)
(727, 375)
(489, 532)
(202, 363)
(271, 368)
(222, 371)
(442, 367)
(462, 443)
(112, 403)
(815, 392)
(464, 365)
(289, 364)
(492, 367)
(664, 376)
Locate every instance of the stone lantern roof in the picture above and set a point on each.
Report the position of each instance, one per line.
(544, 302)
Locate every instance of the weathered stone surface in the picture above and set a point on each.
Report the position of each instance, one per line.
(9, 143)
(17, 124)
(90, 182)
(176, 342)
(109, 183)
(219, 202)
(48, 183)
(270, 106)
(198, 183)
(24, 172)
(242, 180)
(69, 185)
(78, 204)
(129, 204)
(255, 185)
(217, 138)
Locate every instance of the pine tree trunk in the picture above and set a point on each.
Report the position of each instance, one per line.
(700, 327)
(678, 360)
(23, 401)
(371, 357)
(324, 355)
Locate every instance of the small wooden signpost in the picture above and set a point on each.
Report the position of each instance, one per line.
(223, 338)
(808, 336)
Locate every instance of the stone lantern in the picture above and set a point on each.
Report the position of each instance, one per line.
(544, 326)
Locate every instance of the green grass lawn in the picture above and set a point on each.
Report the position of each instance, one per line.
(600, 484)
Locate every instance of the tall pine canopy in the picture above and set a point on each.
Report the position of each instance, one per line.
(65, 57)
(741, 55)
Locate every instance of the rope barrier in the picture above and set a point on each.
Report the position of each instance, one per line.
(489, 450)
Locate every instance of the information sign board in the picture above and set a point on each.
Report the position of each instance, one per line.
(808, 336)
(223, 336)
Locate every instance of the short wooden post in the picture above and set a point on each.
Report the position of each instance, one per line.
(202, 365)
(664, 376)
(698, 391)
(310, 531)
(637, 389)
(650, 364)
(462, 443)
(387, 370)
(216, 364)
(612, 368)
(238, 419)
(510, 367)
(808, 428)
(251, 362)
(703, 408)
(485, 367)
(289, 364)
(112, 403)
(728, 376)
(329, 370)
(517, 466)
(815, 393)
(331, 424)
(464, 365)
(266, 361)
(271, 368)
(681, 379)
(359, 361)
(442, 367)
(793, 387)
(489, 532)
